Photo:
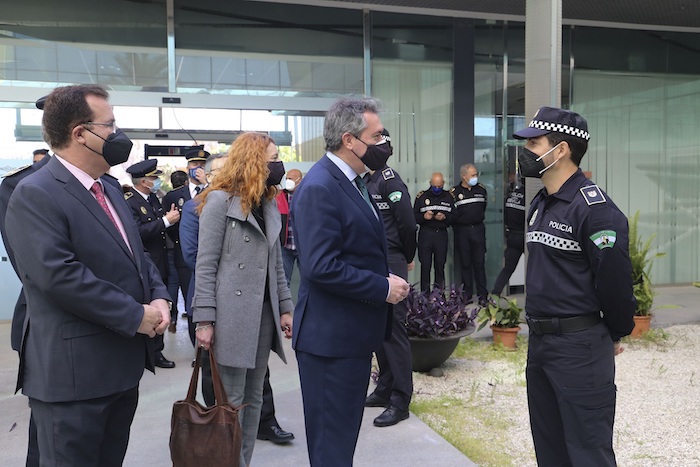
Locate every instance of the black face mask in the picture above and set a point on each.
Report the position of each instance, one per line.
(532, 165)
(116, 147)
(376, 155)
(277, 171)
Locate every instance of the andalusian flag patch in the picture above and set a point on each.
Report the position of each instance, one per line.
(395, 197)
(604, 238)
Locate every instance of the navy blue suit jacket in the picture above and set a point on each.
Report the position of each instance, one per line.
(342, 309)
(84, 289)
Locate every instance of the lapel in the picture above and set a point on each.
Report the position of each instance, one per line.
(273, 218)
(73, 186)
(354, 194)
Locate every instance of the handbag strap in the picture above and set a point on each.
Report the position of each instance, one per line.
(192, 391)
(219, 391)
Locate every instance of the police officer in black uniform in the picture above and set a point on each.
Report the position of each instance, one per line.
(433, 211)
(151, 221)
(579, 296)
(395, 385)
(514, 216)
(177, 197)
(469, 231)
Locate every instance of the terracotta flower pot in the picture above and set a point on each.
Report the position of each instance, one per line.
(641, 326)
(505, 336)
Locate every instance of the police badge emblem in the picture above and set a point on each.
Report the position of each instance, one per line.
(461, 196)
(534, 216)
(427, 202)
(143, 210)
(181, 201)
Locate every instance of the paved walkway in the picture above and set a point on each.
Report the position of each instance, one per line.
(410, 443)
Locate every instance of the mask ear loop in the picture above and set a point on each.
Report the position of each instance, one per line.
(550, 165)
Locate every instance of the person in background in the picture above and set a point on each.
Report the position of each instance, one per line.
(151, 220)
(242, 304)
(284, 199)
(433, 210)
(579, 301)
(94, 297)
(514, 216)
(177, 196)
(342, 314)
(395, 384)
(39, 154)
(178, 178)
(470, 200)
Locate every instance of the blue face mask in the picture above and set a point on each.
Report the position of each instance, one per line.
(193, 172)
(436, 189)
(473, 181)
(157, 183)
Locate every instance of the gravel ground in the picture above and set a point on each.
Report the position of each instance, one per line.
(657, 421)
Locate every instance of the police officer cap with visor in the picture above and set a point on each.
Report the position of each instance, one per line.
(579, 300)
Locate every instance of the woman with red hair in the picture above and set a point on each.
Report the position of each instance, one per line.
(242, 304)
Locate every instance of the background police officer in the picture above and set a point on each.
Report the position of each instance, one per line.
(469, 231)
(151, 221)
(433, 212)
(514, 216)
(395, 385)
(579, 296)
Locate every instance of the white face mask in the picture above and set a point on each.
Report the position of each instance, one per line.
(473, 181)
(289, 185)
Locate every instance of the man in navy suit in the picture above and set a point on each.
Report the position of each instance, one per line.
(94, 298)
(342, 314)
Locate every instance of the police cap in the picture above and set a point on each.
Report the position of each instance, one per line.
(197, 155)
(145, 168)
(551, 119)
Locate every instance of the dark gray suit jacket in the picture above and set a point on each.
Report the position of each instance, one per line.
(84, 289)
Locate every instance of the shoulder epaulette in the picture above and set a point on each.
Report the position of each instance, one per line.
(482, 186)
(593, 195)
(128, 195)
(16, 171)
(388, 173)
(420, 193)
(452, 190)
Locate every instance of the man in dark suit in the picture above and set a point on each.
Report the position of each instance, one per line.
(93, 296)
(178, 196)
(342, 314)
(152, 221)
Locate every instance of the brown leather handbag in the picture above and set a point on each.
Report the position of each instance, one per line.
(205, 436)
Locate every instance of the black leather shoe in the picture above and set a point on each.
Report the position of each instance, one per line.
(391, 416)
(162, 362)
(374, 400)
(275, 434)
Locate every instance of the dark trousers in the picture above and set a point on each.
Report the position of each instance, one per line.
(289, 257)
(267, 411)
(470, 247)
(178, 279)
(85, 433)
(571, 397)
(333, 391)
(515, 247)
(432, 249)
(395, 382)
(32, 444)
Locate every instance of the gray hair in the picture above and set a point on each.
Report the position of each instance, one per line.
(346, 115)
(211, 159)
(463, 170)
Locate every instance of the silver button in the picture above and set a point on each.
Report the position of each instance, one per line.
(246, 238)
(238, 292)
(241, 266)
(233, 224)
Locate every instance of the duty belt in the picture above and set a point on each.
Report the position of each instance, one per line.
(562, 325)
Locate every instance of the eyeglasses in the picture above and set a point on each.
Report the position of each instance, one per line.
(112, 125)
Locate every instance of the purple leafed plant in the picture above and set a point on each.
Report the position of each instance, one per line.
(439, 313)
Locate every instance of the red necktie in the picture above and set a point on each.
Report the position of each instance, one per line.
(96, 190)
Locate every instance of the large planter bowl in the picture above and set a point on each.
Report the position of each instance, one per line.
(428, 353)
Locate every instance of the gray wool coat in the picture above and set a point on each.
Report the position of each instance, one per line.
(233, 258)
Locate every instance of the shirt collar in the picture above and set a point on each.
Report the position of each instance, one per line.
(348, 171)
(570, 187)
(143, 195)
(86, 180)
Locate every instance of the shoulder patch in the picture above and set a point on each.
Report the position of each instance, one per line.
(593, 195)
(388, 173)
(604, 238)
(128, 195)
(420, 193)
(17, 170)
(395, 196)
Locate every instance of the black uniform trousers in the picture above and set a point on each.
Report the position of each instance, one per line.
(470, 246)
(515, 247)
(432, 248)
(92, 432)
(571, 397)
(395, 382)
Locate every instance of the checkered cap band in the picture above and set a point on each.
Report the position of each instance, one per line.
(560, 128)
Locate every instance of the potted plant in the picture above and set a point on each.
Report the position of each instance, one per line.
(503, 315)
(642, 262)
(435, 322)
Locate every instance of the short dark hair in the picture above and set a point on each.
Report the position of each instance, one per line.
(578, 146)
(40, 151)
(178, 178)
(65, 108)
